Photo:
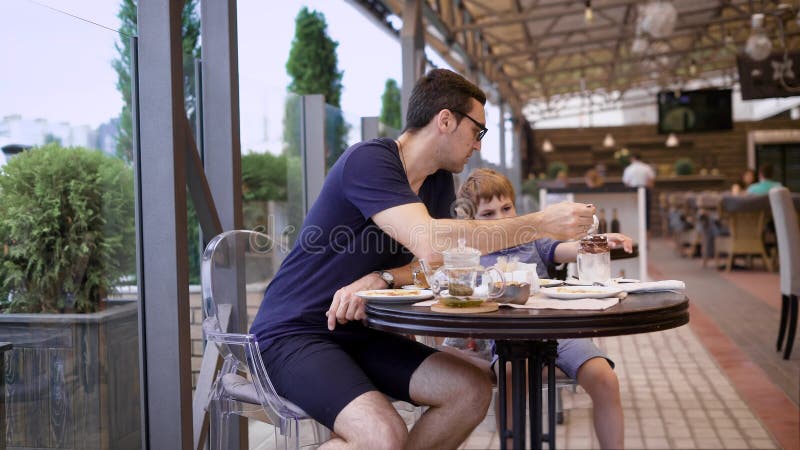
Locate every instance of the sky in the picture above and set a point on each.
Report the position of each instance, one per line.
(57, 64)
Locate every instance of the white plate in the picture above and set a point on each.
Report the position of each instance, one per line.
(545, 282)
(576, 292)
(395, 295)
(412, 287)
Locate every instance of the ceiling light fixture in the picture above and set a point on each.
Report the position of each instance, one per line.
(672, 140)
(588, 14)
(657, 18)
(759, 45)
(608, 141)
(547, 146)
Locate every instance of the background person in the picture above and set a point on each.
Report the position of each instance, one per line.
(382, 203)
(765, 182)
(748, 177)
(638, 174)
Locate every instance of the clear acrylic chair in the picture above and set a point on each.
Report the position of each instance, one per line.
(237, 264)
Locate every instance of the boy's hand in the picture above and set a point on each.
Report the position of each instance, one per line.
(617, 240)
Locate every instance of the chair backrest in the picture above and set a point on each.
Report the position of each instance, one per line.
(788, 232)
(746, 214)
(236, 266)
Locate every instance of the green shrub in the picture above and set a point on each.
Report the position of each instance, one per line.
(263, 177)
(554, 168)
(67, 218)
(531, 186)
(684, 166)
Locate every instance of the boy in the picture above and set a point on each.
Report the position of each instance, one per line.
(486, 195)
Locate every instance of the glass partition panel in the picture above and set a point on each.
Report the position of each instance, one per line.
(341, 131)
(67, 221)
(385, 130)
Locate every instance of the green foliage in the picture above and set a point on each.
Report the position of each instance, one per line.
(312, 63)
(264, 177)
(554, 168)
(531, 186)
(67, 218)
(684, 166)
(623, 157)
(313, 67)
(391, 111)
(191, 50)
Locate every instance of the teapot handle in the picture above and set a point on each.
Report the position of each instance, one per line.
(496, 292)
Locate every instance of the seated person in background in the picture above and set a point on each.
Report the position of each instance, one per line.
(593, 178)
(492, 195)
(748, 177)
(765, 182)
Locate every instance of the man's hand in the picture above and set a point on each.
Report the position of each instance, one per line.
(346, 305)
(617, 240)
(565, 221)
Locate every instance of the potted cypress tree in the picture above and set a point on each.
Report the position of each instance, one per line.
(67, 223)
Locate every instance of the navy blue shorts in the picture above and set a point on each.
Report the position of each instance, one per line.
(323, 372)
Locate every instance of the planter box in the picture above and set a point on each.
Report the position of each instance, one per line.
(72, 380)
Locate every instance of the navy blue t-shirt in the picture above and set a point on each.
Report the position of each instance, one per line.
(339, 243)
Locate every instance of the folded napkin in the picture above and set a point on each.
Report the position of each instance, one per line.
(426, 302)
(540, 301)
(652, 286)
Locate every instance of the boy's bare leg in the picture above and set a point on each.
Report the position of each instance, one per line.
(599, 380)
(458, 394)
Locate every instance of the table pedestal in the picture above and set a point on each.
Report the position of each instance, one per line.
(535, 355)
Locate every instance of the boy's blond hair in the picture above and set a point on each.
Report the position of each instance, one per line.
(483, 184)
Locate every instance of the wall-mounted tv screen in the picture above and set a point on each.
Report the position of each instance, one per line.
(694, 111)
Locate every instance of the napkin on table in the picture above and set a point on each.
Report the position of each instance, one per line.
(540, 301)
(652, 286)
(426, 302)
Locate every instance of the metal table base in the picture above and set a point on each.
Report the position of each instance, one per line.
(534, 355)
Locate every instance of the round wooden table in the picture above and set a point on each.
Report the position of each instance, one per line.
(528, 336)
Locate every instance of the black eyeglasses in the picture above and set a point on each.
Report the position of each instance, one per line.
(483, 130)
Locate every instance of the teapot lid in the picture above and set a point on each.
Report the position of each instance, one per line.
(461, 255)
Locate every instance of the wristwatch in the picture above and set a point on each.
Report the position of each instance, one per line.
(387, 277)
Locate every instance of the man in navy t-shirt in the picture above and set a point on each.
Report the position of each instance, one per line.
(383, 203)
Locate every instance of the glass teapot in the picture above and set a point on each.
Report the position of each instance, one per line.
(459, 275)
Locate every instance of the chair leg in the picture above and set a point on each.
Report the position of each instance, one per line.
(219, 425)
(290, 430)
(767, 261)
(559, 407)
(792, 326)
(784, 317)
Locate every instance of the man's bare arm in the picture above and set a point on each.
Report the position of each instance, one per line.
(412, 226)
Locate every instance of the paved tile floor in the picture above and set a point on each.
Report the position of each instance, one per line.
(675, 392)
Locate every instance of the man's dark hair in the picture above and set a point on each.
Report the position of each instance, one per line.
(765, 170)
(440, 89)
(637, 156)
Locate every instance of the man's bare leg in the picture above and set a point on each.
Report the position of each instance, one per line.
(599, 380)
(369, 421)
(458, 394)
